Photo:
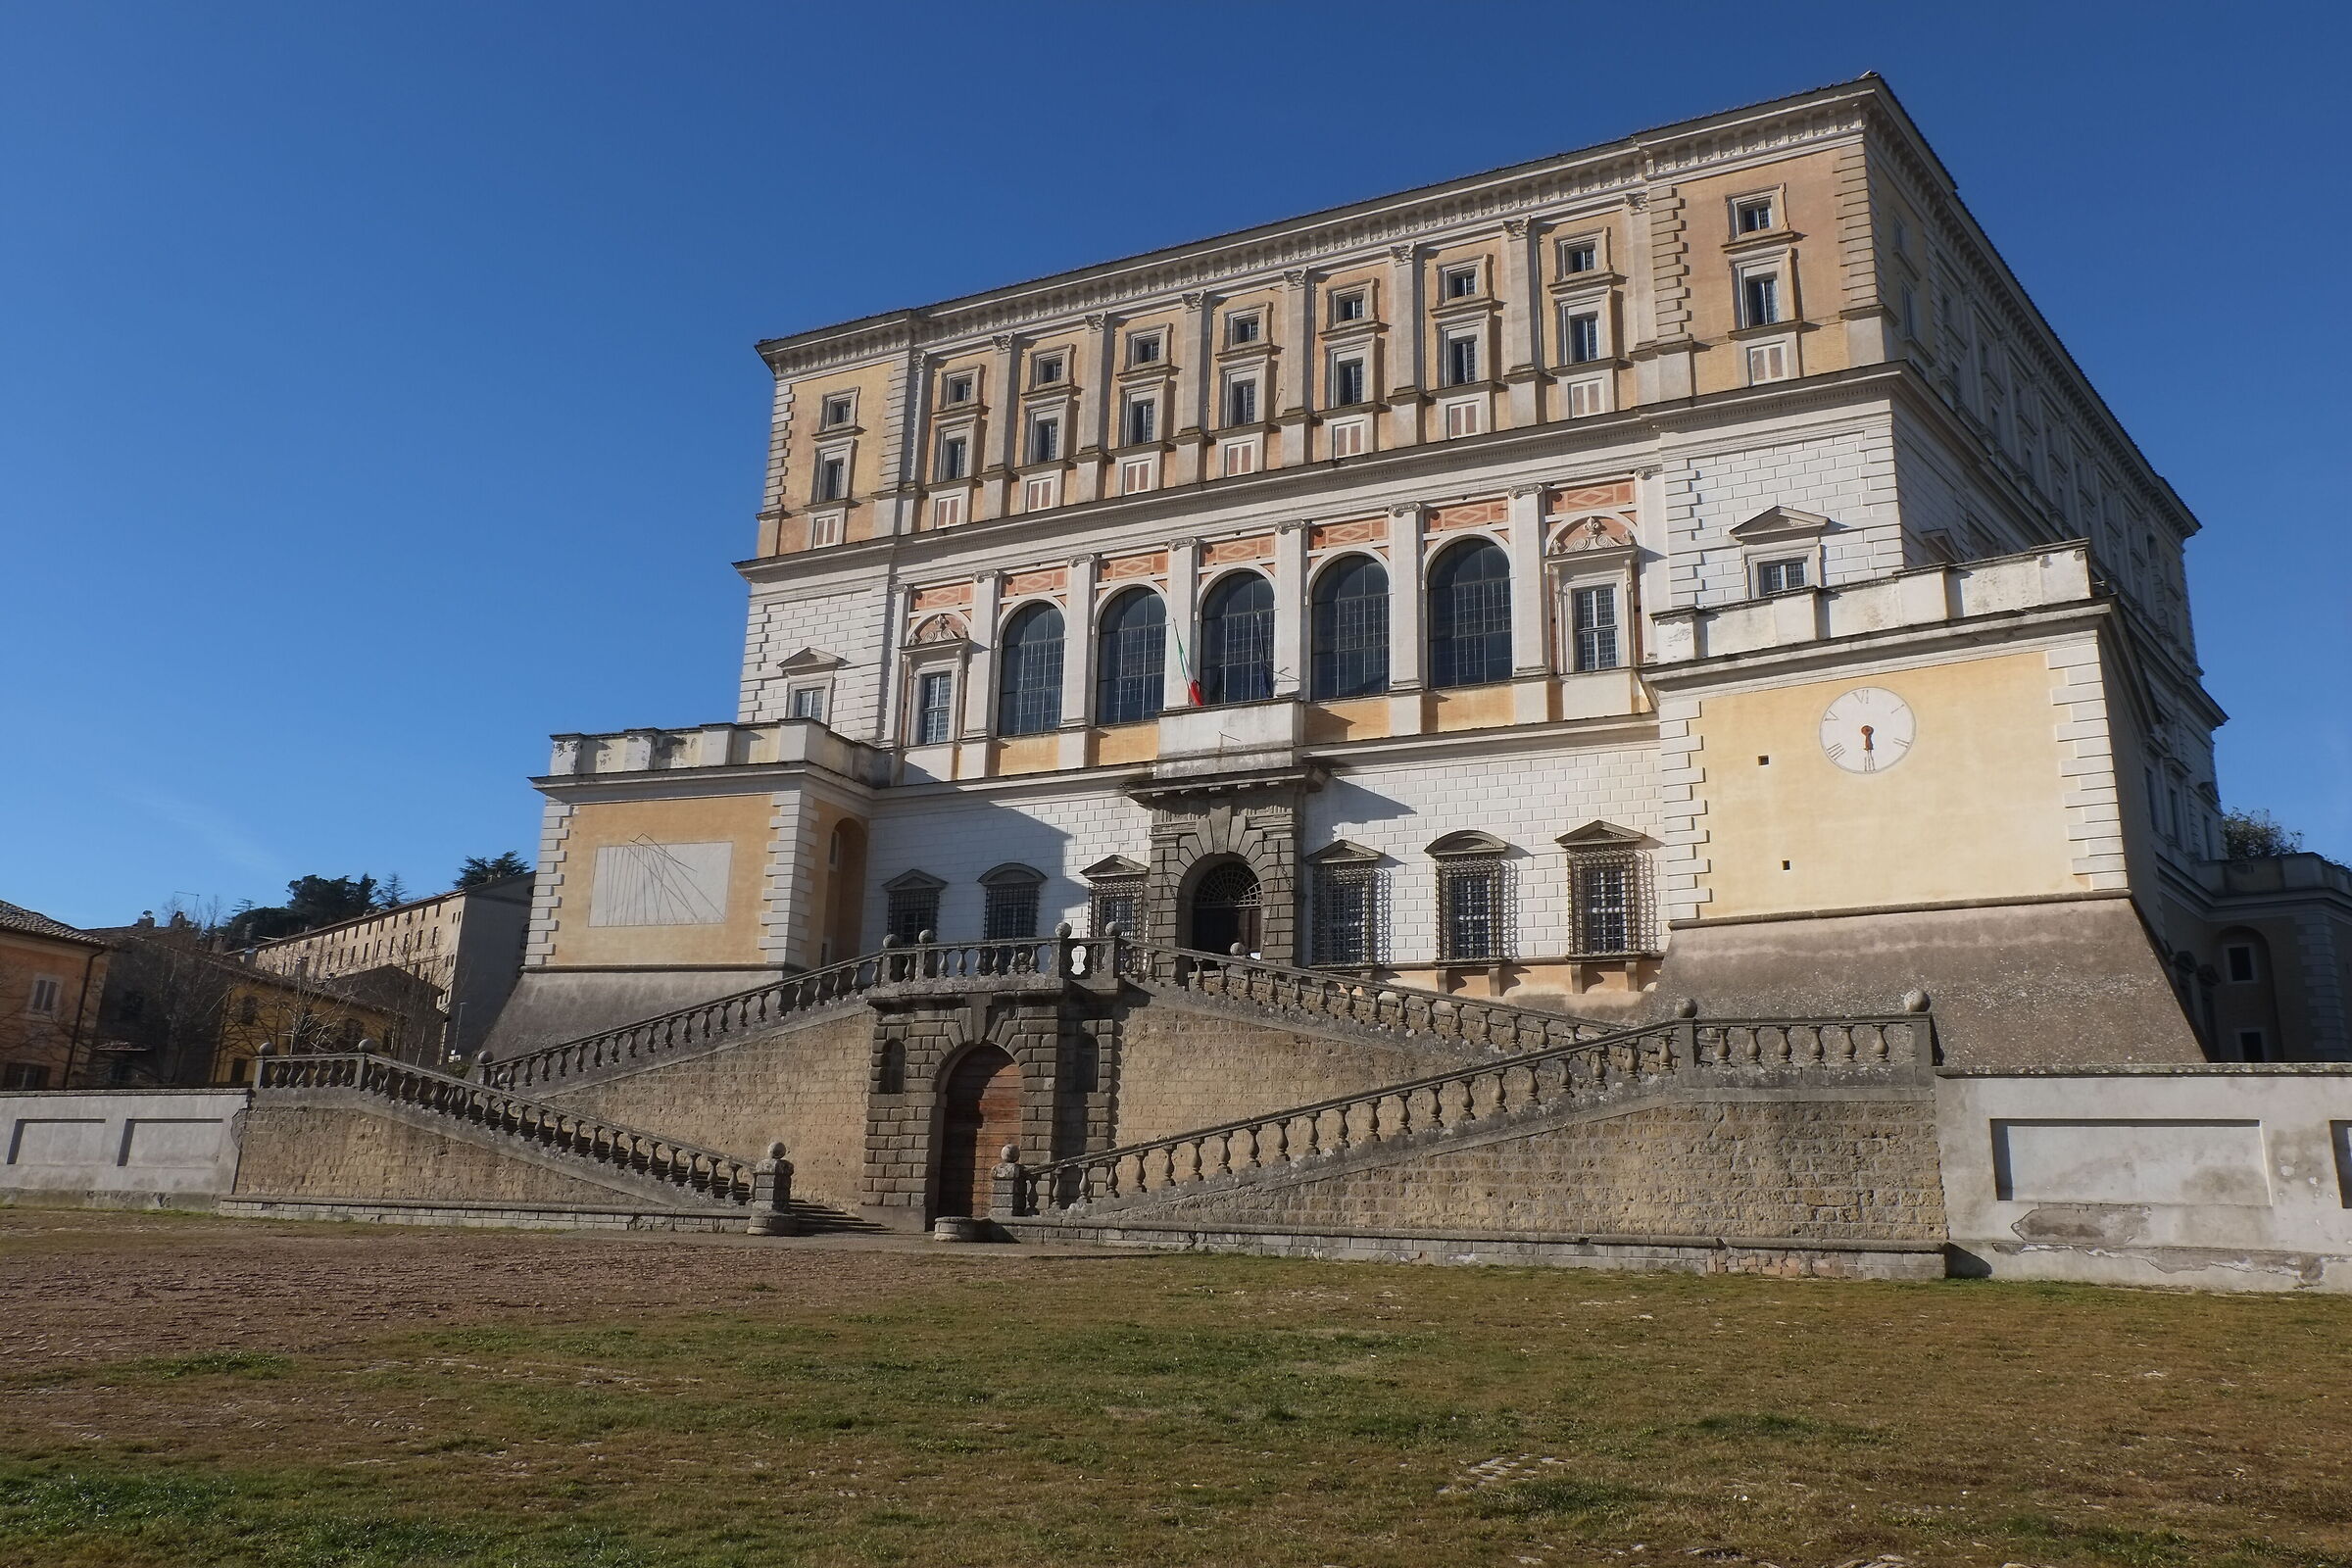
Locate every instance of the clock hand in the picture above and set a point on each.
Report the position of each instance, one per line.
(1868, 743)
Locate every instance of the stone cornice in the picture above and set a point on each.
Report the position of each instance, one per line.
(1348, 235)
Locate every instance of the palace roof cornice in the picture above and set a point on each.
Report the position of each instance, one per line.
(1627, 164)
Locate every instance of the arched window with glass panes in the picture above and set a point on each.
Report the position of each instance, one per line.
(1029, 672)
(1131, 659)
(1470, 615)
(1237, 640)
(1350, 630)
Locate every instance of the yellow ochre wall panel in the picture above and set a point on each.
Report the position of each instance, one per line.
(1975, 811)
(741, 820)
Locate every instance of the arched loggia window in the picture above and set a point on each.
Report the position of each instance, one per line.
(1470, 615)
(1131, 664)
(1237, 640)
(1351, 629)
(1029, 672)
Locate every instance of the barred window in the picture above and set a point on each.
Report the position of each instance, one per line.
(1347, 910)
(1351, 629)
(1470, 615)
(1029, 686)
(1009, 909)
(1131, 663)
(1594, 613)
(1610, 902)
(914, 906)
(1115, 901)
(1473, 910)
(1237, 640)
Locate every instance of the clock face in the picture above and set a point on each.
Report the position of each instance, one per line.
(1867, 730)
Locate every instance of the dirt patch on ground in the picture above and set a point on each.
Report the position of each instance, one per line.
(81, 1286)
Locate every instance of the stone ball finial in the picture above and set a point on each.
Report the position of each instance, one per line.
(890, 941)
(775, 1150)
(1236, 950)
(1061, 928)
(926, 934)
(1114, 929)
(1687, 1008)
(1915, 1000)
(1010, 1155)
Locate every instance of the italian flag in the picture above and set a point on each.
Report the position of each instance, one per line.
(1191, 676)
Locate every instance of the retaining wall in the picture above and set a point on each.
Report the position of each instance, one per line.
(156, 1147)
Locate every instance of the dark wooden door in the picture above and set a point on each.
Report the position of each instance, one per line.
(983, 1114)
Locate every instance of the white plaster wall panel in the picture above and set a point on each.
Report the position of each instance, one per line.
(846, 622)
(957, 837)
(1528, 799)
(1847, 475)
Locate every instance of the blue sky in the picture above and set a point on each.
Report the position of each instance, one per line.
(378, 394)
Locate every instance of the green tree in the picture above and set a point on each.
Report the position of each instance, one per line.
(477, 870)
(2257, 835)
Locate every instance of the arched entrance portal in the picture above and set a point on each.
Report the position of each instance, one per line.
(1225, 908)
(982, 1114)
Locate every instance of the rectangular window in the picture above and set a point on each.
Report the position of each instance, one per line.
(1348, 381)
(1593, 614)
(1348, 438)
(1462, 360)
(1241, 401)
(954, 453)
(1759, 299)
(807, 702)
(1041, 492)
(1239, 457)
(1045, 440)
(1780, 577)
(1461, 282)
(1909, 310)
(1587, 398)
(839, 409)
(2252, 1047)
(947, 512)
(1142, 422)
(824, 530)
(1471, 911)
(1046, 370)
(934, 708)
(832, 478)
(1240, 328)
(43, 1002)
(1143, 348)
(1010, 911)
(1754, 215)
(1464, 418)
(912, 912)
(24, 1075)
(1610, 902)
(1135, 475)
(1580, 256)
(1115, 901)
(1767, 361)
(2239, 961)
(956, 389)
(1583, 337)
(1346, 914)
(1350, 307)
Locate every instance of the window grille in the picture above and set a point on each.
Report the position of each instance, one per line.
(934, 708)
(1348, 925)
(1594, 612)
(1116, 901)
(1029, 690)
(1610, 902)
(1011, 909)
(913, 911)
(1350, 629)
(1470, 616)
(1474, 911)
(1131, 663)
(1236, 641)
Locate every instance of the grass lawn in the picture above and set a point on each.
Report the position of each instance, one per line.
(194, 1392)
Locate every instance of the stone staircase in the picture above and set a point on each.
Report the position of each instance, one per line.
(1523, 1092)
(650, 1167)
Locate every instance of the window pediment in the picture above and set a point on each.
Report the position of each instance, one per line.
(1600, 835)
(1112, 867)
(914, 882)
(1467, 843)
(811, 661)
(1344, 852)
(1780, 523)
(1012, 873)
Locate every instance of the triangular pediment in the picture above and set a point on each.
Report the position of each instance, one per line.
(912, 882)
(1115, 865)
(1344, 852)
(1600, 835)
(1783, 522)
(809, 661)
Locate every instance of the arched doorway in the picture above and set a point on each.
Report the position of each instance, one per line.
(982, 1113)
(1225, 907)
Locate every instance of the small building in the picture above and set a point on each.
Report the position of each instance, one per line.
(465, 944)
(50, 977)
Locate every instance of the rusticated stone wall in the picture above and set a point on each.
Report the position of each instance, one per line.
(806, 1086)
(1782, 1165)
(328, 1152)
